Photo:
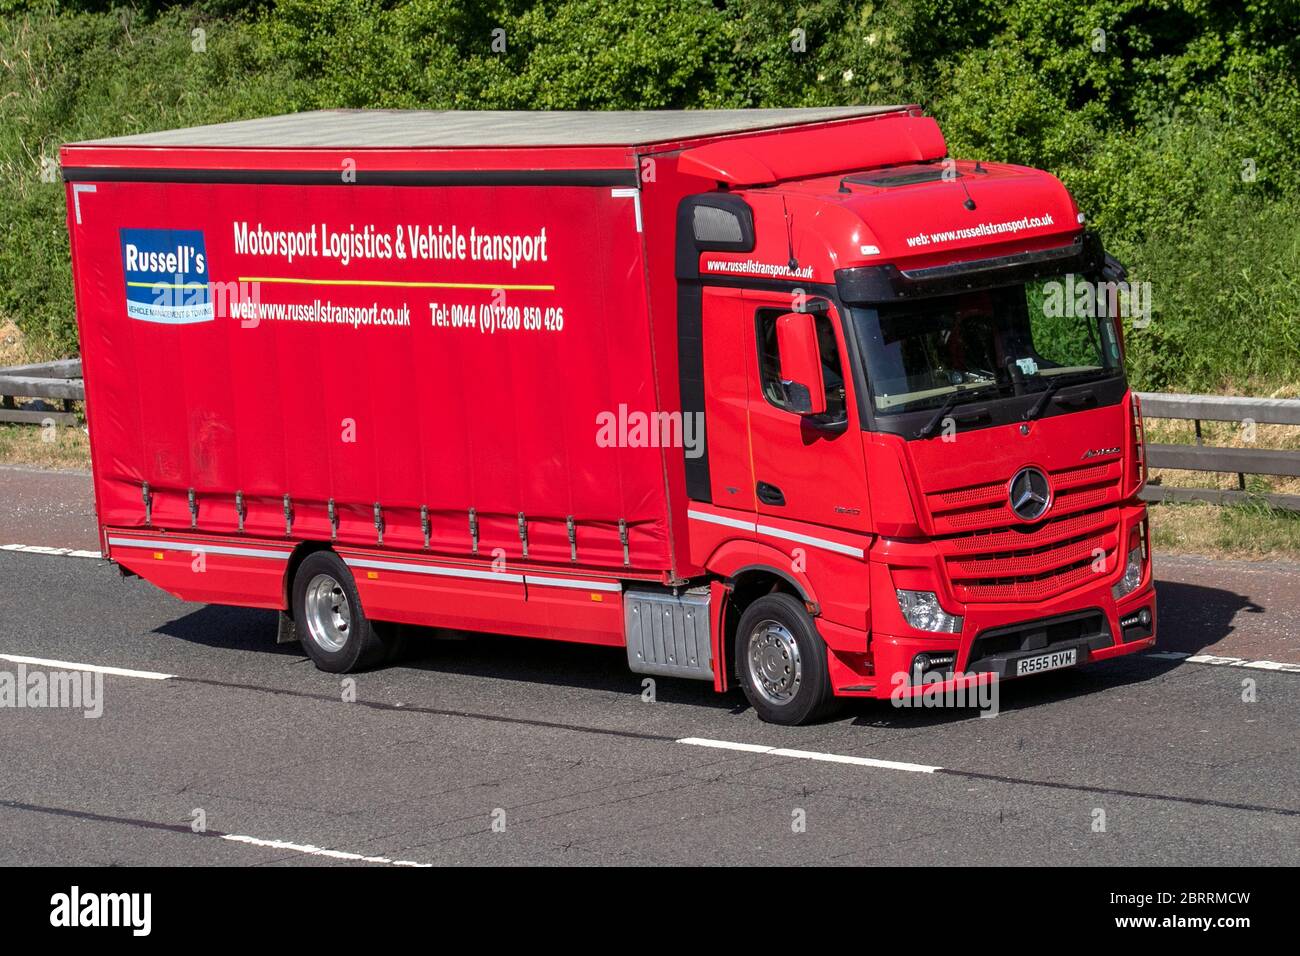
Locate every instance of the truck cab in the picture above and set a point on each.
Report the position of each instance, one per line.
(921, 444)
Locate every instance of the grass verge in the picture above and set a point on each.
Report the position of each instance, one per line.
(45, 446)
(1249, 532)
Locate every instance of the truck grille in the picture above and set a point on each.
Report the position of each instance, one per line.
(990, 556)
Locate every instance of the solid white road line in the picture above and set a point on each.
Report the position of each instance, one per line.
(1226, 661)
(39, 549)
(92, 668)
(319, 851)
(809, 755)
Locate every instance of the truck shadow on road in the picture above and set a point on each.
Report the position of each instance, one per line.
(229, 628)
(1192, 617)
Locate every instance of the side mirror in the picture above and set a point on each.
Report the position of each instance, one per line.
(801, 363)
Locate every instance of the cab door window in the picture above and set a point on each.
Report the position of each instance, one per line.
(769, 365)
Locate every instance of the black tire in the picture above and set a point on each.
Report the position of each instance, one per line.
(331, 624)
(776, 640)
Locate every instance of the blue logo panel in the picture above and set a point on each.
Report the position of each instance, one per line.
(166, 276)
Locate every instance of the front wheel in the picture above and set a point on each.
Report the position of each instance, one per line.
(781, 660)
(335, 632)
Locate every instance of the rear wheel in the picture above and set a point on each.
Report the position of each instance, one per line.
(782, 661)
(334, 629)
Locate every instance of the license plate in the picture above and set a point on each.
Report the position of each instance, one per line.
(1047, 662)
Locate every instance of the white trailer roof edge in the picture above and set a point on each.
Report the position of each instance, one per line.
(468, 129)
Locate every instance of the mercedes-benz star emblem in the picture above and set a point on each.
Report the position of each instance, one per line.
(1029, 494)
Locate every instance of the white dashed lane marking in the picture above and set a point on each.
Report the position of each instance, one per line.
(809, 755)
(184, 830)
(310, 850)
(40, 549)
(92, 668)
(1225, 661)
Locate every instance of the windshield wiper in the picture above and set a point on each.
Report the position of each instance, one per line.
(1046, 394)
(955, 398)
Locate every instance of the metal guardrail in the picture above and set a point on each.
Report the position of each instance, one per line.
(57, 380)
(1209, 458)
(62, 380)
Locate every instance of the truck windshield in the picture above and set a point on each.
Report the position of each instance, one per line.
(1010, 340)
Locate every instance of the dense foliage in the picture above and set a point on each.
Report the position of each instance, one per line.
(1175, 122)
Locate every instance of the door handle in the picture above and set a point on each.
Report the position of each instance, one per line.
(769, 494)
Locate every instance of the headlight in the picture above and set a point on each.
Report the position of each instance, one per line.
(1132, 574)
(921, 610)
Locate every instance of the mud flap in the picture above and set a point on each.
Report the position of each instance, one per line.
(286, 631)
(719, 595)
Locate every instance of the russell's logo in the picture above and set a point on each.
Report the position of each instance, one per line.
(166, 274)
(1030, 494)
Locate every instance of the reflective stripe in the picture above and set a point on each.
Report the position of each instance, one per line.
(635, 195)
(434, 570)
(573, 583)
(474, 574)
(815, 542)
(725, 522)
(196, 546)
(579, 584)
(772, 532)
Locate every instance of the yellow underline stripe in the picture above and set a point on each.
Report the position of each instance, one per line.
(168, 285)
(403, 285)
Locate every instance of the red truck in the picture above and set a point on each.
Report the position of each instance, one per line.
(782, 397)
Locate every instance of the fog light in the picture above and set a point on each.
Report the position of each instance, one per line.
(941, 662)
(1136, 625)
(1142, 617)
(922, 611)
(1132, 574)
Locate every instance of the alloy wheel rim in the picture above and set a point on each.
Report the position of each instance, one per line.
(775, 666)
(329, 615)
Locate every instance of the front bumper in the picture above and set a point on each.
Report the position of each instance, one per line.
(995, 637)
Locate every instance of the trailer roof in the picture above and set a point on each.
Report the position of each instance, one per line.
(361, 129)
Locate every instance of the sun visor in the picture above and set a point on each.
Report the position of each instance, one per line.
(821, 150)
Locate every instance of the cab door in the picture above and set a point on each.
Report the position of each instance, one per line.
(806, 468)
(728, 372)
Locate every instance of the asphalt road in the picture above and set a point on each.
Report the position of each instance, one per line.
(497, 750)
(494, 750)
